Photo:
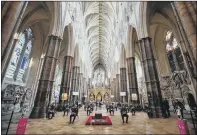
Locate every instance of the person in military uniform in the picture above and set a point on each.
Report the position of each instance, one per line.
(123, 112)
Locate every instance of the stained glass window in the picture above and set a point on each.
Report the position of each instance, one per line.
(26, 56)
(21, 55)
(173, 52)
(16, 56)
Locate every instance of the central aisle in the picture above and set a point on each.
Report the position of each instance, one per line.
(139, 124)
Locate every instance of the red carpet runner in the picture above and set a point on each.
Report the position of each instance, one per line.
(104, 121)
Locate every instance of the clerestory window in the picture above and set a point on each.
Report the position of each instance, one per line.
(19, 62)
(175, 57)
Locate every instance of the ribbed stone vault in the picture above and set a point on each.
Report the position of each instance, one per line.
(99, 21)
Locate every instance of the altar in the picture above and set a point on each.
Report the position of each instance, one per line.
(99, 94)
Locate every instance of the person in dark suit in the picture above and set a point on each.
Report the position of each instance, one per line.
(51, 111)
(66, 109)
(74, 113)
(133, 110)
(88, 110)
(123, 112)
(111, 109)
(167, 107)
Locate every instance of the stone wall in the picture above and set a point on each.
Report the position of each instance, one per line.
(22, 105)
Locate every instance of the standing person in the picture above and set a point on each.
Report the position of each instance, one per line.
(133, 110)
(88, 110)
(100, 104)
(163, 107)
(116, 107)
(77, 103)
(96, 105)
(167, 107)
(107, 107)
(181, 107)
(85, 106)
(66, 109)
(178, 111)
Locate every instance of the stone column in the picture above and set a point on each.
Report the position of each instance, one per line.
(114, 91)
(187, 13)
(111, 89)
(80, 87)
(78, 83)
(151, 77)
(12, 13)
(132, 76)
(86, 89)
(83, 89)
(45, 85)
(66, 77)
(123, 84)
(74, 83)
(118, 87)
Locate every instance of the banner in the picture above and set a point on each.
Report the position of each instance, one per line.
(76, 93)
(22, 123)
(134, 96)
(64, 96)
(122, 93)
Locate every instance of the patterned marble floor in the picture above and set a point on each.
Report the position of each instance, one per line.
(139, 124)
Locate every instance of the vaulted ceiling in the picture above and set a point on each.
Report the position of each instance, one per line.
(99, 22)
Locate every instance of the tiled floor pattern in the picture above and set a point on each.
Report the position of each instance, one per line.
(139, 124)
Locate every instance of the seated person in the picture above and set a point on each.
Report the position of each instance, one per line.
(133, 110)
(116, 107)
(150, 113)
(91, 108)
(123, 112)
(66, 109)
(111, 109)
(88, 110)
(51, 111)
(77, 103)
(127, 107)
(118, 104)
(107, 107)
(74, 113)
